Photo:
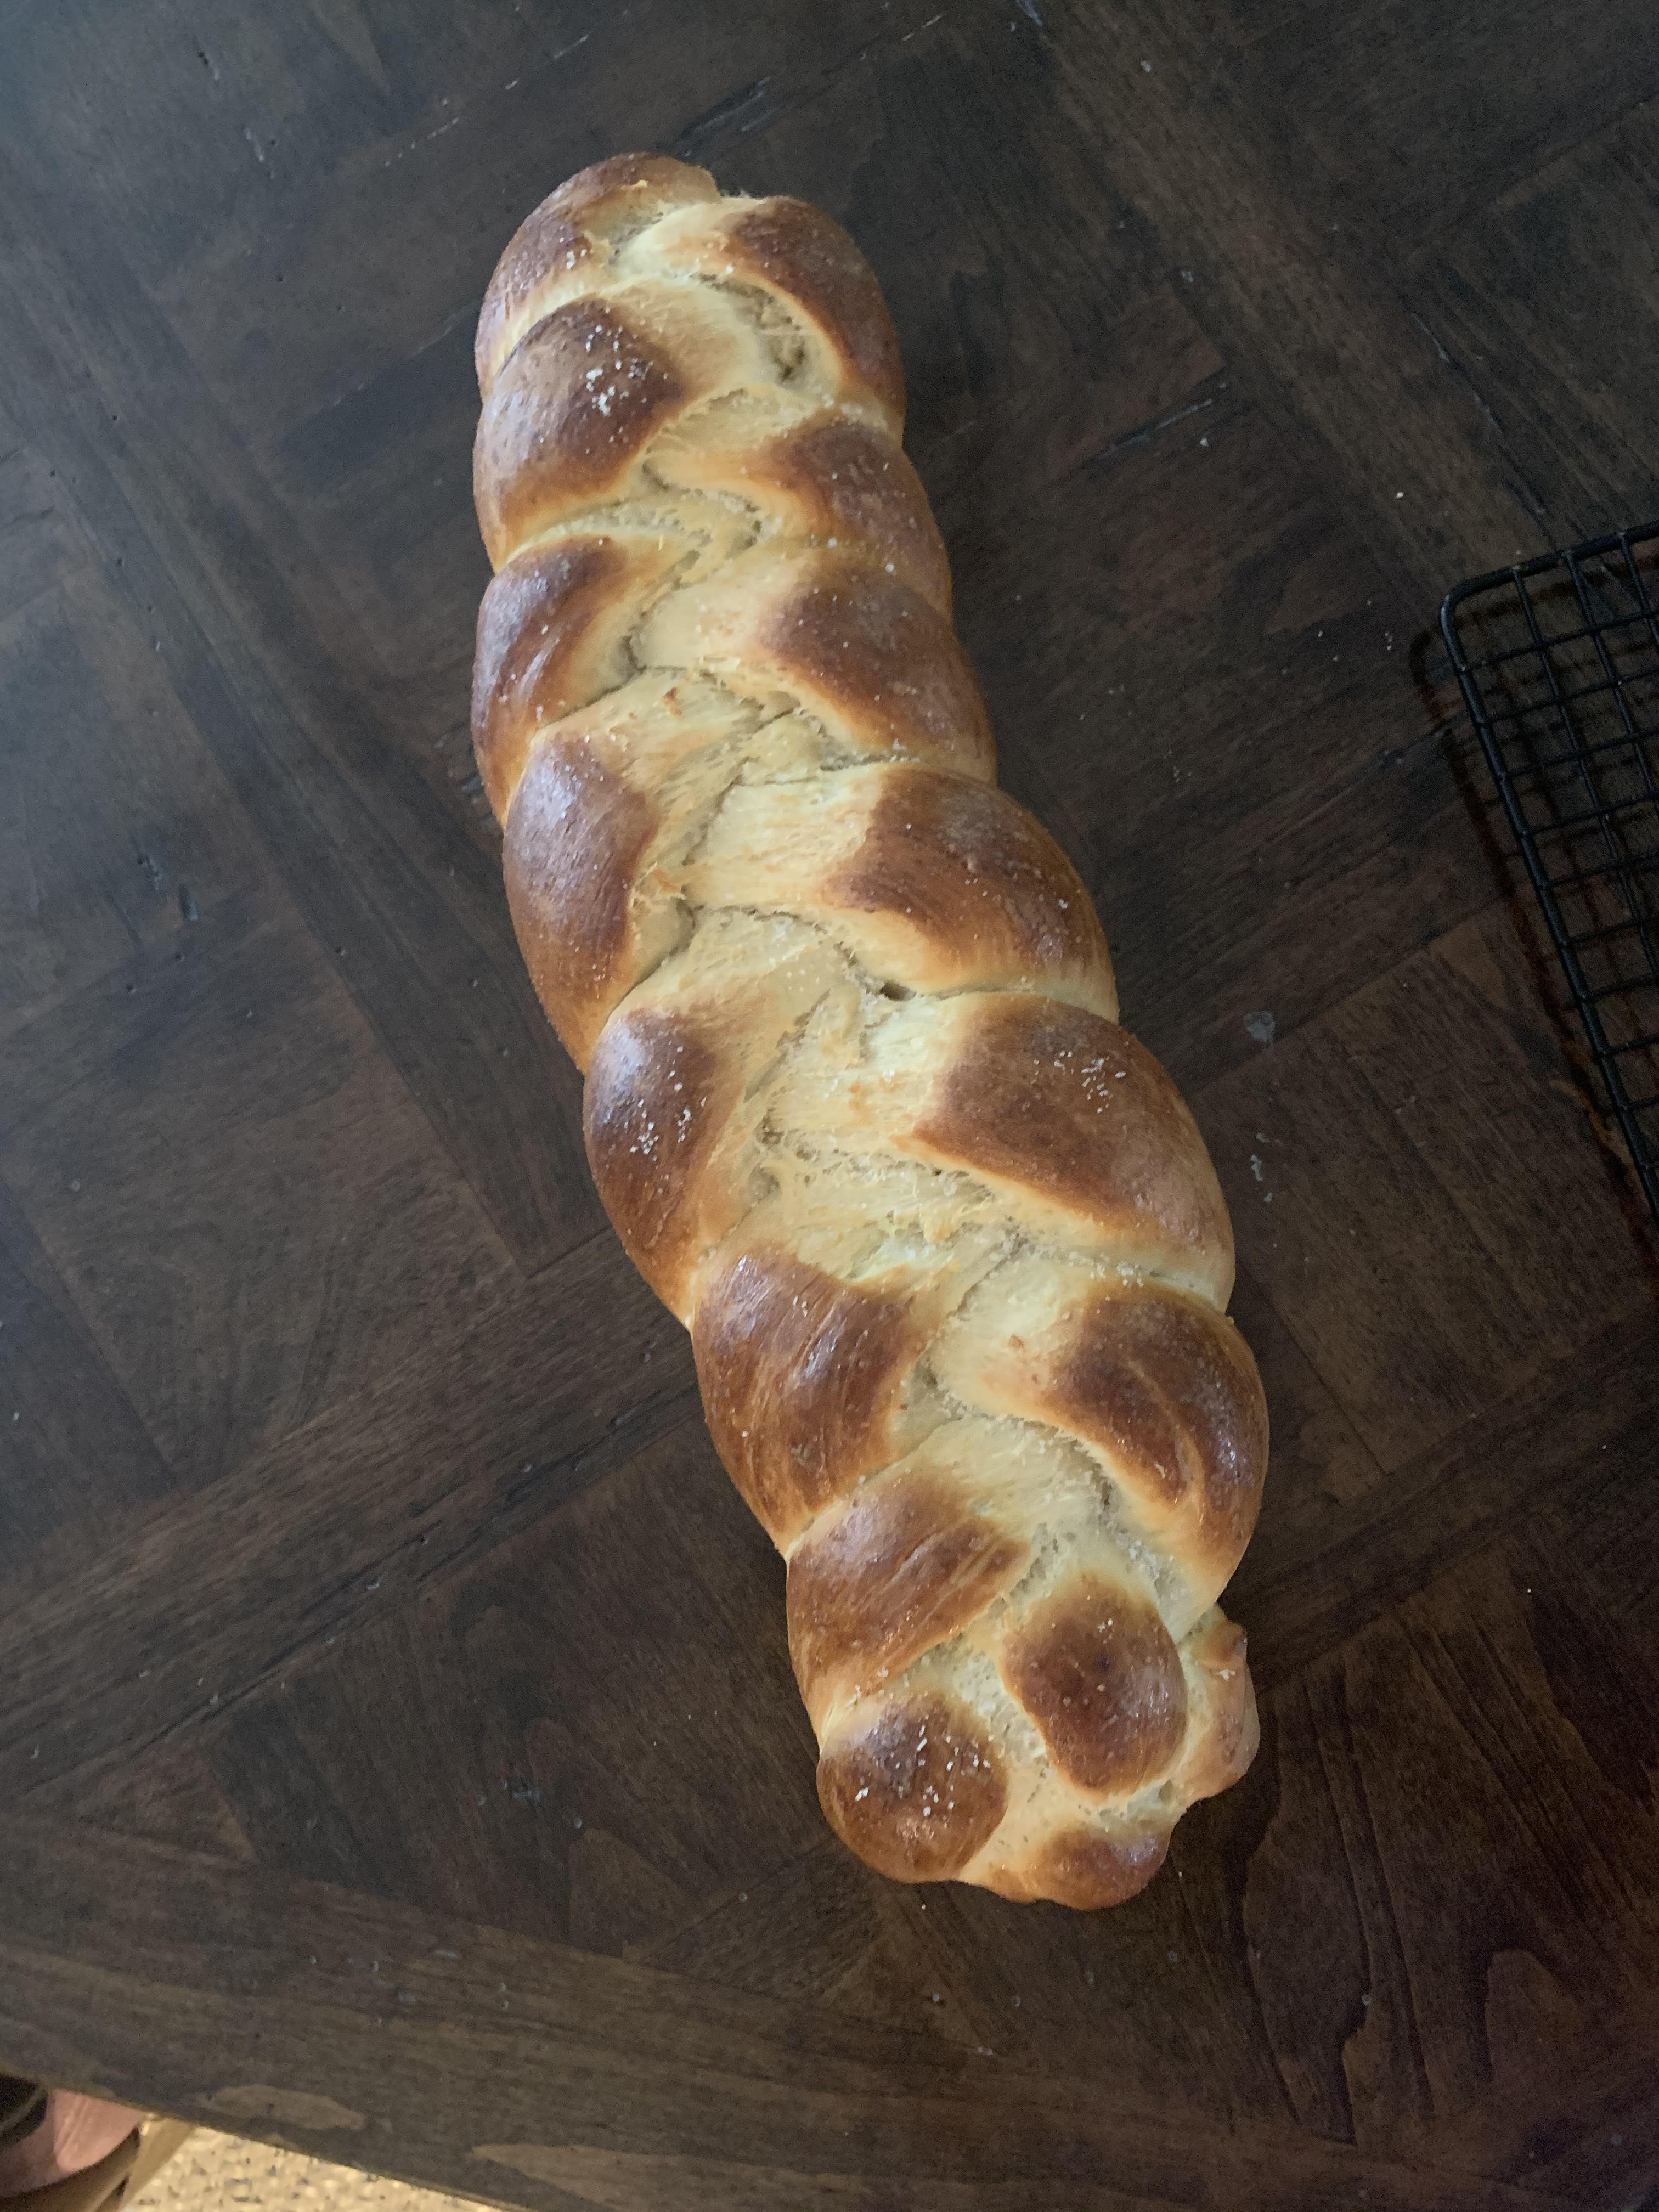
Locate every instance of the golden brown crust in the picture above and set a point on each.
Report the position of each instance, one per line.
(797, 250)
(656, 1100)
(552, 632)
(879, 654)
(952, 1252)
(858, 649)
(1220, 1751)
(929, 880)
(671, 1069)
(1052, 1099)
(914, 1787)
(566, 238)
(544, 241)
(802, 1380)
(1155, 1382)
(624, 192)
(567, 420)
(974, 872)
(907, 1564)
(855, 485)
(1096, 1669)
(1085, 1867)
(574, 839)
(792, 259)
(822, 479)
(1168, 1390)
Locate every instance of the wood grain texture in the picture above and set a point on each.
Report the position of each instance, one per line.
(398, 1752)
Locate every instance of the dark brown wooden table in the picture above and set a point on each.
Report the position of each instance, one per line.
(399, 1754)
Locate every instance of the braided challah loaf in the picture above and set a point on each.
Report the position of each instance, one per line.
(953, 1258)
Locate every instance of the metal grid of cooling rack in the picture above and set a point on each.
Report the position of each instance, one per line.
(1559, 661)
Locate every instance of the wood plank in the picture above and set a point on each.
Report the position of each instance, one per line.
(1385, 1166)
(76, 1454)
(612, 1676)
(359, 1537)
(426, 1466)
(1300, 1595)
(1564, 371)
(572, 2045)
(202, 1135)
(1498, 1909)
(1416, 116)
(39, 541)
(1336, 355)
(372, 861)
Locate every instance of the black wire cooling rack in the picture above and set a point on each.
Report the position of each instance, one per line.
(1558, 658)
